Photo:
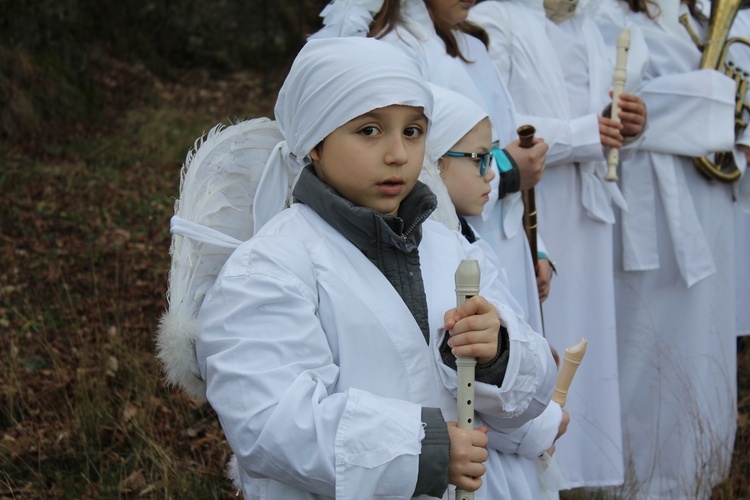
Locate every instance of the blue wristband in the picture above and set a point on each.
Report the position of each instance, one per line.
(542, 255)
(501, 160)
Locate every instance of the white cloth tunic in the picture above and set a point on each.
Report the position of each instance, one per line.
(740, 55)
(318, 371)
(478, 80)
(675, 271)
(559, 77)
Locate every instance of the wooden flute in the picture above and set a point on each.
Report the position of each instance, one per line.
(526, 140)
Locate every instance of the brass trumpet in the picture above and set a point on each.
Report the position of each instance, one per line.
(722, 168)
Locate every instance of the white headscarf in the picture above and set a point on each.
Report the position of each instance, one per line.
(332, 81)
(454, 115)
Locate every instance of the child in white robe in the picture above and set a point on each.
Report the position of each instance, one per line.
(321, 357)
(460, 144)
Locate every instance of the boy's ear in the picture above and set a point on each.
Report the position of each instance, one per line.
(315, 153)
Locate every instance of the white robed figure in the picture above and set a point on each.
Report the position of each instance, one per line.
(559, 75)
(674, 267)
(517, 452)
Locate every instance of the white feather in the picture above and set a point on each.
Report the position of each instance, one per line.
(217, 186)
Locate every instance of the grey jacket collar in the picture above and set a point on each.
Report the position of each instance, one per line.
(364, 227)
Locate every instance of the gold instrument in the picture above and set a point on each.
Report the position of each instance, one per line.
(722, 168)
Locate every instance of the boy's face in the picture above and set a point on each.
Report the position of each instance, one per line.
(469, 190)
(374, 160)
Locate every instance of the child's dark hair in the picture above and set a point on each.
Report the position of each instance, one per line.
(652, 9)
(390, 14)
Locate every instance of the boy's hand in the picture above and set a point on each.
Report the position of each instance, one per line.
(474, 329)
(467, 456)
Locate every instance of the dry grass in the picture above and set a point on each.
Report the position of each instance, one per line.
(85, 234)
(84, 241)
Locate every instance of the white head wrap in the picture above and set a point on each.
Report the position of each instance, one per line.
(453, 117)
(331, 82)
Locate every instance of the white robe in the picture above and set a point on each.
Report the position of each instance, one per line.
(740, 55)
(318, 371)
(559, 76)
(478, 80)
(675, 272)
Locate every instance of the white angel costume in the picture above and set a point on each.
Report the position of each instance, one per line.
(674, 267)
(559, 75)
(454, 115)
(317, 368)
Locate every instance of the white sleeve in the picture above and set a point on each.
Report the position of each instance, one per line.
(270, 373)
(690, 114)
(533, 438)
(530, 374)
(575, 140)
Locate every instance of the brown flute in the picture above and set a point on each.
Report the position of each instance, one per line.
(526, 140)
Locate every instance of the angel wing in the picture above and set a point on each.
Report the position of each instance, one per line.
(347, 18)
(213, 215)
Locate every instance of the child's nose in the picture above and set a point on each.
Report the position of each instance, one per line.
(396, 154)
(489, 174)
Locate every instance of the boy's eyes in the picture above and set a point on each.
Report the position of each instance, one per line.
(413, 132)
(372, 131)
(369, 131)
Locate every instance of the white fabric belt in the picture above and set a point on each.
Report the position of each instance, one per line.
(201, 233)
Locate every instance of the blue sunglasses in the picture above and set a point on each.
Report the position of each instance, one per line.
(484, 159)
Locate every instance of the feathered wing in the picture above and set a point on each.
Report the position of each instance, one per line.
(347, 18)
(213, 215)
